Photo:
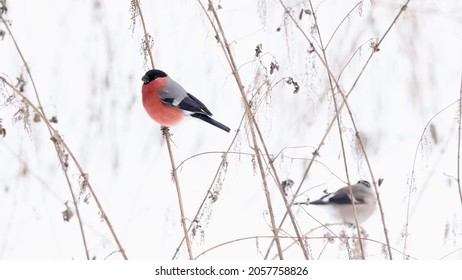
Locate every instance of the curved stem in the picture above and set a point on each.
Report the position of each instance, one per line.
(166, 134)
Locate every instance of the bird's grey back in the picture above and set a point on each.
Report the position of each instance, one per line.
(173, 90)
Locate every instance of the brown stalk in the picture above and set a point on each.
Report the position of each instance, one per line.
(294, 238)
(57, 140)
(458, 141)
(339, 126)
(167, 136)
(209, 191)
(63, 168)
(251, 122)
(217, 173)
(344, 96)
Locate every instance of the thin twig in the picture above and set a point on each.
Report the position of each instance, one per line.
(251, 121)
(458, 141)
(341, 22)
(412, 176)
(166, 134)
(232, 64)
(220, 167)
(25, 65)
(217, 173)
(345, 96)
(284, 198)
(145, 32)
(57, 140)
(207, 195)
(167, 138)
(293, 238)
(63, 167)
(340, 131)
(450, 253)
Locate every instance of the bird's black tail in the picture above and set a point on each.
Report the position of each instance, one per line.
(318, 202)
(211, 121)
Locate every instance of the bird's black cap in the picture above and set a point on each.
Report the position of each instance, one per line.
(153, 74)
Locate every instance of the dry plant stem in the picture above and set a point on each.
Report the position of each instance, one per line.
(289, 237)
(322, 226)
(339, 125)
(345, 164)
(74, 200)
(376, 48)
(166, 134)
(405, 234)
(88, 185)
(458, 141)
(57, 140)
(345, 240)
(450, 253)
(146, 36)
(347, 16)
(228, 151)
(228, 54)
(25, 65)
(284, 198)
(211, 185)
(316, 152)
(412, 176)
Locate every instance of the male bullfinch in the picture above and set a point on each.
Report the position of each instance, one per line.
(166, 102)
(340, 201)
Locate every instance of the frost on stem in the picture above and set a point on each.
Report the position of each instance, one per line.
(221, 175)
(83, 182)
(63, 156)
(254, 164)
(23, 114)
(146, 43)
(134, 13)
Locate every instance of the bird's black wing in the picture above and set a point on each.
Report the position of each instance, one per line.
(340, 198)
(189, 103)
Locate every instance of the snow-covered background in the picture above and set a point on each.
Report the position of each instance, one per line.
(86, 60)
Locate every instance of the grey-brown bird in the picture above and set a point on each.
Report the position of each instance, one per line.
(340, 202)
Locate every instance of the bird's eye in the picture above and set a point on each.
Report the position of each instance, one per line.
(365, 183)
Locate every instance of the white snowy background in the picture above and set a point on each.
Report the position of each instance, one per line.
(86, 60)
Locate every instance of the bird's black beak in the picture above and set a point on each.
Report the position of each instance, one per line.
(145, 79)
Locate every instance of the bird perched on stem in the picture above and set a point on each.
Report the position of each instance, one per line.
(340, 201)
(166, 102)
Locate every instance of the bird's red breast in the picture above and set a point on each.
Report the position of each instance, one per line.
(161, 113)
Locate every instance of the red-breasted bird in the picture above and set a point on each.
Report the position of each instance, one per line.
(166, 102)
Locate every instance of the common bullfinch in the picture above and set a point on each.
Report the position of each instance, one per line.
(166, 102)
(340, 201)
